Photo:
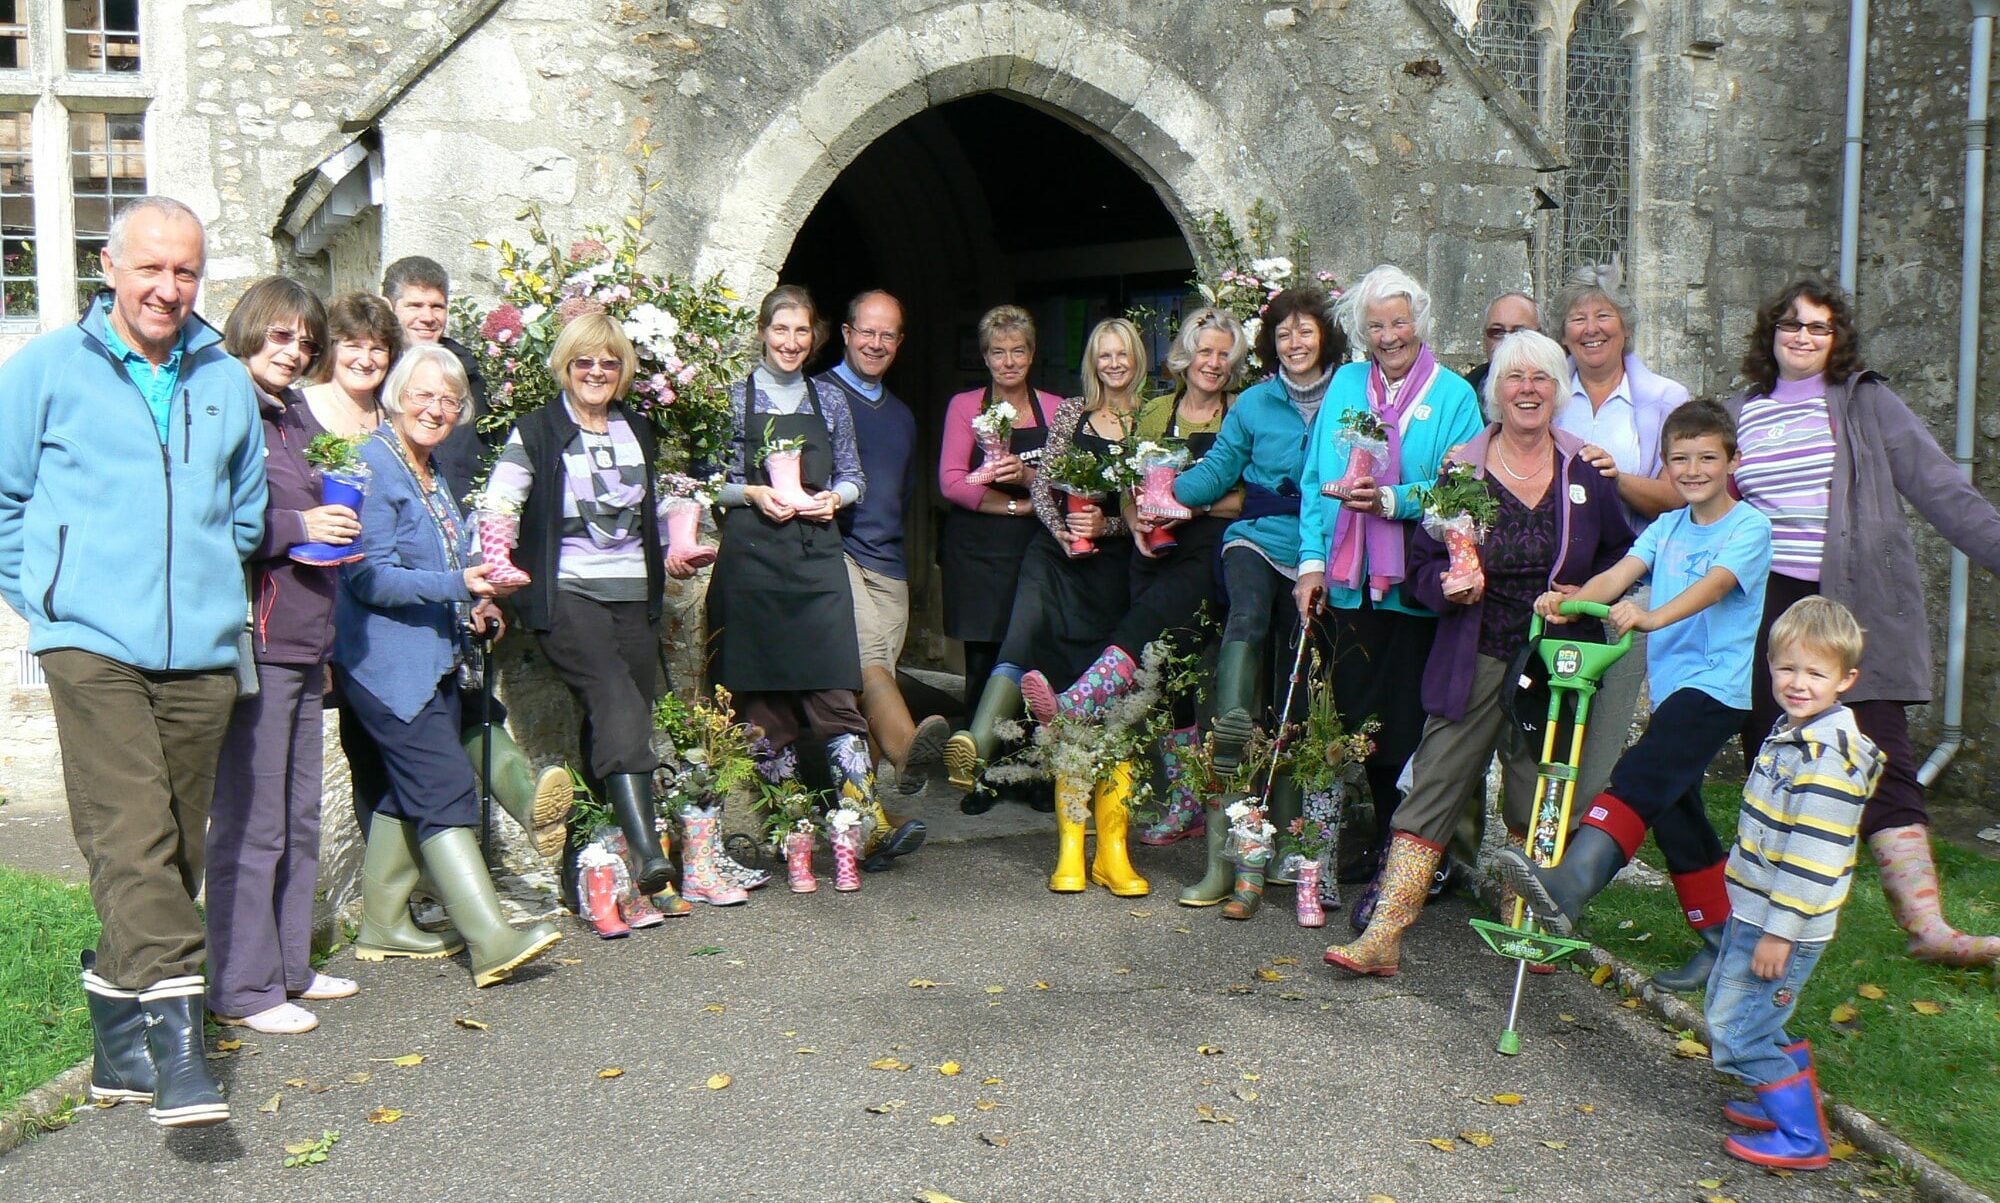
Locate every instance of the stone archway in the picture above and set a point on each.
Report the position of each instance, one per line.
(1140, 109)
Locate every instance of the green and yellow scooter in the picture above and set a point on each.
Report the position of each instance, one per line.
(1575, 667)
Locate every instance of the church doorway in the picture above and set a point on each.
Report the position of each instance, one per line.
(967, 205)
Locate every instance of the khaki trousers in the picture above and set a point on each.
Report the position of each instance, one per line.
(139, 753)
(1451, 761)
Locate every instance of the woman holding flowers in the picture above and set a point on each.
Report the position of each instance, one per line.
(400, 640)
(1262, 444)
(573, 496)
(780, 617)
(1169, 585)
(263, 830)
(1354, 542)
(1552, 519)
(1074, 586)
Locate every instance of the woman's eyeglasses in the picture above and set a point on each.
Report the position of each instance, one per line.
(1792, 325)
(443, 403)
(609, 366)
(279, 336)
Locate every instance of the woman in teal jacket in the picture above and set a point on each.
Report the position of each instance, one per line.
(1263, 444)
(1352, 551)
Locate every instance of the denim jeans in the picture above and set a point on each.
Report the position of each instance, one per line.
(1746, 1014)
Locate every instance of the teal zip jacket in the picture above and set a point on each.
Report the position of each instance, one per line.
(111, 541)
(1263, 443)
(1448, 417)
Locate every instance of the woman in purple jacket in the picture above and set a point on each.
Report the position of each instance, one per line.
(1829, 456)
(1560, 523)
(263, 833)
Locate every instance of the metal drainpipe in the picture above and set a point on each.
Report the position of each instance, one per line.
(1983, 12)
(1850, 166)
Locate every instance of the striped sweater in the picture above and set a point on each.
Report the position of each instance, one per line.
(1800, 825)
(1787, 471)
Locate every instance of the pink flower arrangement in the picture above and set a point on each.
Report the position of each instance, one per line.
(588, 250)
(503, 325)
(574, 308)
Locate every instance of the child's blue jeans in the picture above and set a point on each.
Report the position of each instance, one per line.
(1746, 1014)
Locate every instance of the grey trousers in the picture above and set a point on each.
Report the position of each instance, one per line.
(263, 844)
(1450, 763)
(139, 751)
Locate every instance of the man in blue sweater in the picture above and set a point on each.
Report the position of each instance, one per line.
(872, 532)
(131, 488)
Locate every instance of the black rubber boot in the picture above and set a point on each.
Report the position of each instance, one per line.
(1238, 666)
(184, 1093)
(1558, 896)
(1694, 974)
(631, 798)
(120, 1070)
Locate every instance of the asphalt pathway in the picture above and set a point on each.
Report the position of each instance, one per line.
(1104, 1048)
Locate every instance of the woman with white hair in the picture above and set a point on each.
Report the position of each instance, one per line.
(1354, 549)
(1559, 524)
(1169, 587)
(399, 639)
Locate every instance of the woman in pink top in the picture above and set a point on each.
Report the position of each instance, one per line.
(991, 520)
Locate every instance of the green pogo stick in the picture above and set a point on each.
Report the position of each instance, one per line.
(1575, 668)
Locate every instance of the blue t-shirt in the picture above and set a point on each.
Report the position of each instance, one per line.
(1711, 650)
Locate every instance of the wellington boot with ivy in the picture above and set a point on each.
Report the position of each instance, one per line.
(965, 750)
(1406, 879)
(1220, 877)
(1072, 816)
(1112, 866)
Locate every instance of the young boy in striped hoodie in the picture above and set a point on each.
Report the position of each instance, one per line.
(1787, 876)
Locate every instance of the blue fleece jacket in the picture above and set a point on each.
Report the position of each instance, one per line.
(1263, 443)
(111, 541)
(1447, 417)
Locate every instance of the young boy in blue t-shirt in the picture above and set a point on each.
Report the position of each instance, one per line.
(1708, 563)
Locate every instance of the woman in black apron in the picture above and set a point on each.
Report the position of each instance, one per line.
(992, 518)
(780, 617)
(1065, 604)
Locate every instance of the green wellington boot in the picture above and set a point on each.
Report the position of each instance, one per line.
(389, 872)
(539, 802)
(963, 752)
(459, 871)
(1283, 806)
(1220, 879)
(1238, 666)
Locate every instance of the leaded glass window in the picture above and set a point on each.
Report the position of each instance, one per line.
(1505, 37)
(1596, 218)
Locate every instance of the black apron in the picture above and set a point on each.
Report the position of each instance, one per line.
(780, 617)
(1167, 592)
(1065, 609)
(981, 553)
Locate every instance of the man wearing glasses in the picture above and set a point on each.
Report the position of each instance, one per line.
(885, 433)
(131, 489)
(1509, 312)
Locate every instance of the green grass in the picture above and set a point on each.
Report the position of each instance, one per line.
(1932, 1079)
(44, 1026)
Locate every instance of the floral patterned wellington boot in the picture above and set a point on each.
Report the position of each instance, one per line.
(701, 878)
(1072, 820)
(799, 862)
(1112, 866)
(1182, 817)
(1111, 676)
(1910, 882)
(1405, 883)
(881, 840)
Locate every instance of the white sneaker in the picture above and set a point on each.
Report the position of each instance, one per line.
(325, 986)
(285, 1019)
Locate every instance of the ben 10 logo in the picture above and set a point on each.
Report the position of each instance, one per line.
(1568, 660)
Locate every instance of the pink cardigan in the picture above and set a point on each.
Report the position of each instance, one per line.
(955, 457)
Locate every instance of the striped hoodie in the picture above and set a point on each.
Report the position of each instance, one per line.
(1800, 825)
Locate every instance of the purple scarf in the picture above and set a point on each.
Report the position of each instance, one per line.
(1371, 539)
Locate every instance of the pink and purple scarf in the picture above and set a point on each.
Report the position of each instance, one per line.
(1369, 539)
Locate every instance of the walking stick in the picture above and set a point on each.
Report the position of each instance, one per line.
(485, 745)
(1283, 736)
(1575, 668)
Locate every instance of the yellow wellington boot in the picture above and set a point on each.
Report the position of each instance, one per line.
(1112, 866)
(1072, 814)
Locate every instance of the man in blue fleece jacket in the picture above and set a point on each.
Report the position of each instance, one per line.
(131, 488)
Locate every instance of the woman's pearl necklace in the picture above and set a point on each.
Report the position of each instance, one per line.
(1500, 457)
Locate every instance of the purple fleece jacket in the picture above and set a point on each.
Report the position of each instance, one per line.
(1593, 536)
(294, 602)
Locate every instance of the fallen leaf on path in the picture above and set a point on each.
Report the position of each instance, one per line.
(1209, 1050)
(1268, 975)
(1717, 1199)
(1841, 1150)
(924, 983)
(951, 1069)
(1253, 1077)
(474, 1024)
(301, 1146)
(1244, 1094)
(1122, 969)
(1630, 1004)
(1688, 1046)
(1041, 985)
(1381, 1199)
(934, 1196)
(358, 1078)
(1284, 960)
(1924, 1006)
(719, 1081)
(715, 1008)
(1709, 1183)
(889, 1063)
(403, 1062)
(611, 1072)
(1844, 1013)
(706, 950)
(996, 989)
(1478, 1140)
(1870, 990)
(297, 1083)
(1205, 1114)
(1508, 1100)
(228, 1046)
(989, 1082)
(1600, 975)
(985, 1105)
(384, 1115)
(994, 1138)
(806, 1052)
(1555, 1144)
(1442, 1144)
(1586, 1109)
(944, 1121)
(272, 1104)
(1566, 1018)
(886, 1108)
(1140, 914)
(569, 960)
